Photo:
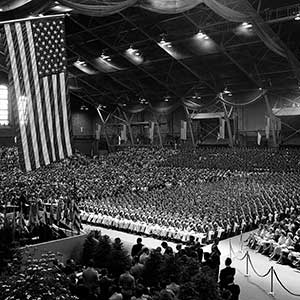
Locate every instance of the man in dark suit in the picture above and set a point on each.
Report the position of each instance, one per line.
(136, 249)
(233, 288)
(226, 273)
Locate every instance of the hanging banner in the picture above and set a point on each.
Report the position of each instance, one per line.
(183, 130)
(268, 128)
(258, 138)
(221, 134)
(124, 133)
(151, 131)
(98, 131)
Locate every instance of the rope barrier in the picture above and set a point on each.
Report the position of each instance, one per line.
(262, 276)
(297, 295)
(234, 254)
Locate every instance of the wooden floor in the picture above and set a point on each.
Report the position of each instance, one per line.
(252, 287)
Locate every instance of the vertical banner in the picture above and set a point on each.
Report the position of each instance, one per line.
(268, 128)
(151, 131)
(258, 138)
(124, 133)
(98, 131)
(183, 130)
(221, 134)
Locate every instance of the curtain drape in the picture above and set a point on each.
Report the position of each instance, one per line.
(231, 10)
(165, 107)
(190, 104)
(99, 8)
(32, 7)
(134, 109)
(242, 99)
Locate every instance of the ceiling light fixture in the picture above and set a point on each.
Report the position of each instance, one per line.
(133, 51)
(81, 62)
(167, 99)
(105, 57)
(83, 107)
(247, 25)
(202, 36)
(227, 92)
(164, 43)
(297, 17)
(101, 106)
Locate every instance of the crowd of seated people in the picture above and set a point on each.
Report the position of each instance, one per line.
(206, 193)
(280, 239)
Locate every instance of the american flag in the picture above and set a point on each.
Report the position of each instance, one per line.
(37, 84)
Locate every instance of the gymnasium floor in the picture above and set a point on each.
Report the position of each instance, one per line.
(252, 287)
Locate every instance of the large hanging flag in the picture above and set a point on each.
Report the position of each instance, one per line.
(37, 85)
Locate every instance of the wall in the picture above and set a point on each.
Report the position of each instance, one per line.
(70, 247)
(250, 119)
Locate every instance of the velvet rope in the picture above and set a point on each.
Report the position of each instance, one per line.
(250, 98)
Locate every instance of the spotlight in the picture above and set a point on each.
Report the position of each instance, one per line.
(247, 25)
(164, 43)
(83, 107)
(142, 100)
(227, 92)
(260, 88)
(105, 57)
(81, 62)
(297, 17)
(202, 36)
(167, 99)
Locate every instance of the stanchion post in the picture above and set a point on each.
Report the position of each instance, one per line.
(247, 264)
(241, 240)
(230, 248)
(271, 293)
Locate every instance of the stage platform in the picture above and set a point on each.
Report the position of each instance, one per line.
(252, 287)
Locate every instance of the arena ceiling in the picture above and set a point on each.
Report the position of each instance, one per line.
(125, 57)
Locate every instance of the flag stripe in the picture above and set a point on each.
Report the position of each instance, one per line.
(57, 121)
(49, 116)
(37, 93)
(26, 81)
(16, 82)
(63, 140)
(65, 113)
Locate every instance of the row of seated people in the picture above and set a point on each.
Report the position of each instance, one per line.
(149, 229)
(250, 159)
(280, 240)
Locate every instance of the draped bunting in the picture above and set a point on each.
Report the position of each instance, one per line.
(168, 6)
(165, 107)
(134, 109)
(32, 7)
(232, 10)
(237, 11)
(242, 99)
(190, 104)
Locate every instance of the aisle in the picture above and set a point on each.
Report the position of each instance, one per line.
(252, 287)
